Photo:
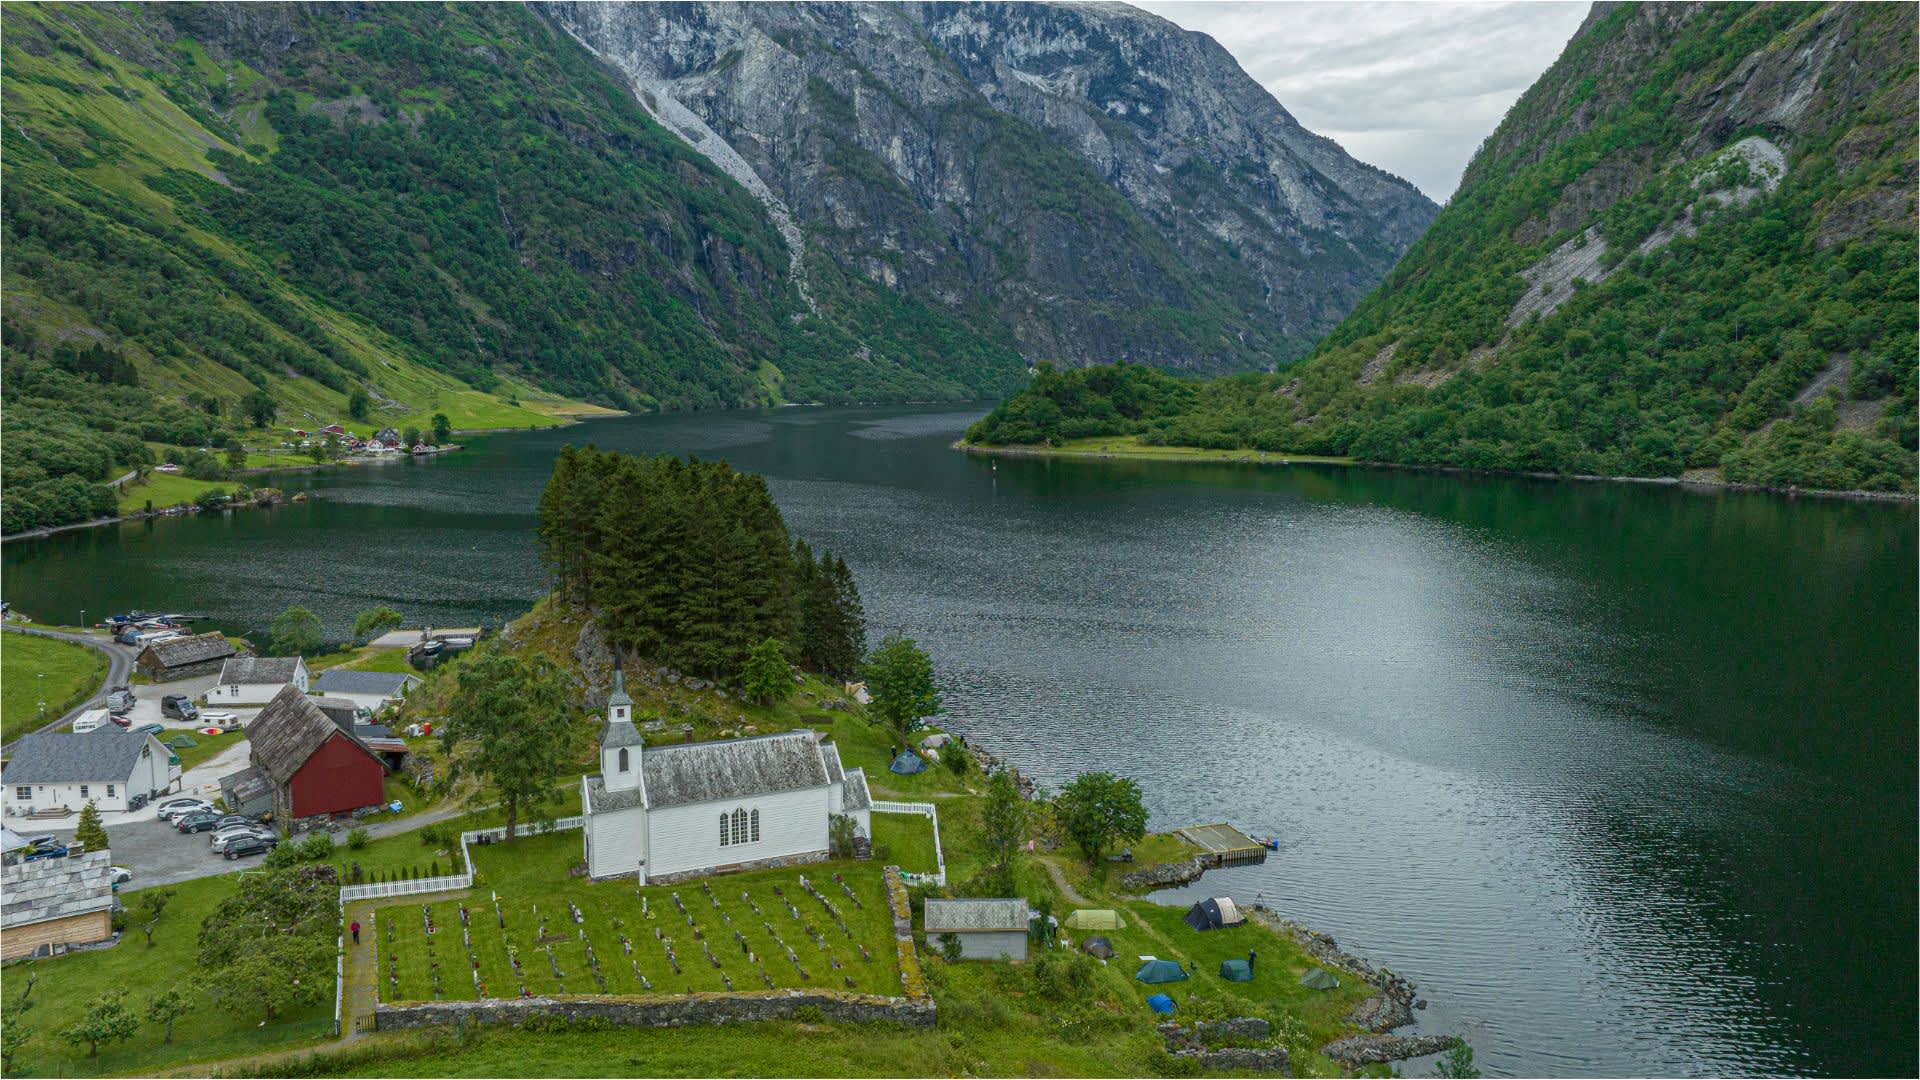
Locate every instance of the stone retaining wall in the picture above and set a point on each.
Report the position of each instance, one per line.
(688, 1011)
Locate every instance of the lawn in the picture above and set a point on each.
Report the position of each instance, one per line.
(905, 840)
(35, 669)
(63, 986)
(166, 489)
(548, 933)
(204, 747)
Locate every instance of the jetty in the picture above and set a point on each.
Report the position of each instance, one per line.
(1222, 845)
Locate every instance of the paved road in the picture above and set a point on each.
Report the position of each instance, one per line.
(119, 667)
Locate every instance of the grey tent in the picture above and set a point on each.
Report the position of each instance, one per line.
(1319, 979)
(1098, 946)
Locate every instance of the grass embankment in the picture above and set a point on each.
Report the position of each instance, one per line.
(35, 669)
(1130, 448)
(630, 931)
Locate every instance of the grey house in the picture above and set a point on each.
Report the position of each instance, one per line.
(987, 929)
(186, 657)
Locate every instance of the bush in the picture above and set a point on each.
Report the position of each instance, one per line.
(809, 1014)
(317, 846)
(956, 757)
(356, 839)
(950, 948)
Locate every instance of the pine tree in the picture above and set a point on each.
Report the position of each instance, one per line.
(90, 832)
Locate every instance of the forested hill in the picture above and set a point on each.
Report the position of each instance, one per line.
(1687, 250)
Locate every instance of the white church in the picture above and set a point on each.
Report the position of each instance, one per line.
(668, 813)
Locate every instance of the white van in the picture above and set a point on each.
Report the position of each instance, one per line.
(91, 720)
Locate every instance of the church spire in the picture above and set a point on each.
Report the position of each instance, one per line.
(619, 695)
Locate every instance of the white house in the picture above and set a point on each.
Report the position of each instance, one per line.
(669, 813)
(55, 769)
(373, 689)
(254, 680)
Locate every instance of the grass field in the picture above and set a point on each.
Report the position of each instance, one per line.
(35, 669)
(204, 747)
(1129, 447)
(168, 489)
(905, 840)
(552, 934)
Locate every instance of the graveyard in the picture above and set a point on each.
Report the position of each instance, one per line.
(529, 929)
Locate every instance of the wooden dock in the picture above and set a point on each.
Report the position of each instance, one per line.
(1222, 845)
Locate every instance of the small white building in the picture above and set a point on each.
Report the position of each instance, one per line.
(987, 929)
(374, 690)
(254, 680)
(57, 769)
(669, 813)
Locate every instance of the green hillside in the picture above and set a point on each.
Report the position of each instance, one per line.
(448, 209)
(1688, 250)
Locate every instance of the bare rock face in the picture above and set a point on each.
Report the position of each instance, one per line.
(1098, 182)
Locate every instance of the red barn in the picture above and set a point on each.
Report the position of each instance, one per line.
(315, 768)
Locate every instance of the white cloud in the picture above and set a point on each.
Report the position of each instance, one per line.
(1410, 87)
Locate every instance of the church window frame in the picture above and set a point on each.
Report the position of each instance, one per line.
(623, 759)
(739, 825)
(723, 829)
(754, 820)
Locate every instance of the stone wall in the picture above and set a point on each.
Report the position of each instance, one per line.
(798, 859)
(688, 1011)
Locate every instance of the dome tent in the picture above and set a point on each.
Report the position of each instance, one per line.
(908, 763)
(1098, 946)
(1094, 919)
(1160, 1003)
(1160, 971)
(1319, 979)
(1214, 914)
(1236, 971)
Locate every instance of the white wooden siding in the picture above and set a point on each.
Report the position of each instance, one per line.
(687, 838)
(616, 842)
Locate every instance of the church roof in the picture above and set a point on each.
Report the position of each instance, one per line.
(620, 734)
(619, 695)
(600, 800)
(730, 769)
(831, 755)
(857, 796)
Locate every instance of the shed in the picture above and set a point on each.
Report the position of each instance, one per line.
(1214, 914)
(988, 929)
(254, 680)
(1094, 919)
(50, 905)
(314, 767)
(185, 657)
(247, 792)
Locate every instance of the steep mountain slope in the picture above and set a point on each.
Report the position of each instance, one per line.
(1090, 180)
(1688, 248)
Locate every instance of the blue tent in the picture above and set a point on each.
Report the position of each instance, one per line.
(908, 763)
(1160, 971)
(1160, 1003)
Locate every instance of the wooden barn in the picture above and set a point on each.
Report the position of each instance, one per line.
(185, 657)
(315, 768)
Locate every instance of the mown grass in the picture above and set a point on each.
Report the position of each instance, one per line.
(205, 747)
(35, 669)
(167, 489)
(785, 938)
(906, 840)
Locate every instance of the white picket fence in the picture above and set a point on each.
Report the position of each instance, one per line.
(931, 813)
(447, 882)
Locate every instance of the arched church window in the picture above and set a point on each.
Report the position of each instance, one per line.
(755, 820)
(623, 759)
(739, 826)
(723, 828)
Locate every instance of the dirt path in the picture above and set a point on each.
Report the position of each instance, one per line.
(1067, 892)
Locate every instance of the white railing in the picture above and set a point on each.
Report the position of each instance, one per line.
(931, 813)
(339, 978)
(449, 882)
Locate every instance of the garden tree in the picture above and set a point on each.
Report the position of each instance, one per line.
(167, 1006)
(295, 632)
(147, 906)
(236, 455)
(767, 678)
(411, 436)
(260, 408)
(1097, 810)
(900, 680)
(270, 945)
(442, 429)
(89, 831)
(106, 1020)
(358, 403)
(374, 621)
(14, 1037)
(1003, 827)
(515, 714)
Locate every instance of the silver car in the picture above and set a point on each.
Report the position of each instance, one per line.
(219, 841)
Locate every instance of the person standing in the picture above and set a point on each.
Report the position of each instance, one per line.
(356, 931)
(1250, 956)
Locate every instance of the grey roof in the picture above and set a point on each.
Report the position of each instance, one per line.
(857, 796)
(56, 888)
(178, 652)
(731, 768)
(245, 786)
(341, 711)
(619, 695)
(831, 755)
(106, 755)
(259, 669)
(287, 732)
(385, 683)
(961, 916)
(620, 734)
(600, 800)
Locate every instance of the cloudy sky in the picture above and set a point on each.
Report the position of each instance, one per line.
(1410, 87)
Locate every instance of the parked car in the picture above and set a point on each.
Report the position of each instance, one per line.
(173, 808)
(179, 706)
(120, 701)
(223, 840)
(46, 847)
(228, 821)
(250, 845)
(220, 718)
(198, 821)
(121, 875)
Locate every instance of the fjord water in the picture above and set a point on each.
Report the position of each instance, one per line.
(1622, 776)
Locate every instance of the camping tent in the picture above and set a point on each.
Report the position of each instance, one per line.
(1236, 971)
(1160, 1003)
(1319, 979)
(1098, 946)
(907, 763)
(1160, 971)
(1094, 919)
(1214, 914)
(935, 741)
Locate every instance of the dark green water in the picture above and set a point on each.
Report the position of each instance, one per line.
(1623, 777)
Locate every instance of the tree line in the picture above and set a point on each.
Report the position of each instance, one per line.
(690, 563)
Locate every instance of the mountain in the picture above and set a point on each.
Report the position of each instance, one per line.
(1088, 182)
(1688, 250)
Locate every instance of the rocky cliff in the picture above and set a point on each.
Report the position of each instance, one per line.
(1089, 180)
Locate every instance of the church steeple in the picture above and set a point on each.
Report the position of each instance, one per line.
(620, 742)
